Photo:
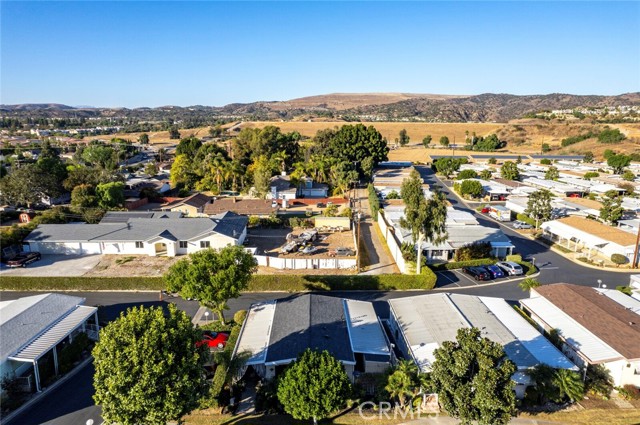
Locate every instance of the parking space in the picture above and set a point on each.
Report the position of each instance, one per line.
(459, 279)
(55, 266)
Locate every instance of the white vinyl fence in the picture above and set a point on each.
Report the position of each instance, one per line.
(305, 263)
(392, 242)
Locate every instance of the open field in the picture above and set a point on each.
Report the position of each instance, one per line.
(523, 136)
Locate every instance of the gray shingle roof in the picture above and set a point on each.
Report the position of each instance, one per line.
(23, 319)
(309, 321)
(141, 229)
(124, 216)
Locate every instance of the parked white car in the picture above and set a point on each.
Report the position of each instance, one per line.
(511, 268)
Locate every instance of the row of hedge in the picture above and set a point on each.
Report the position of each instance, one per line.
(460, 264)
(220, 377)
(260, 282)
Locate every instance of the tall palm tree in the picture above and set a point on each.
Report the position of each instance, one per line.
(400, 386)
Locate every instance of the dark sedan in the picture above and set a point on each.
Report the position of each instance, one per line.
(478, 273)
(24, 258)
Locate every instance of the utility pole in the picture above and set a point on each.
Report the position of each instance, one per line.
(635, 250)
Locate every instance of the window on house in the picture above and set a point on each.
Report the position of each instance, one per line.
(139, 244)
(183, 244)
(205, 244)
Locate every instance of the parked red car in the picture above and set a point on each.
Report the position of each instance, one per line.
(485, 210)
(213, 339)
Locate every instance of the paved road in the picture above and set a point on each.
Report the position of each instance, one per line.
(554, 267)
(380, 261)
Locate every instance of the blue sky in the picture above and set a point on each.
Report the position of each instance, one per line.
(213, 53)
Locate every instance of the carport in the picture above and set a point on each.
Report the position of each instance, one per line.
(49, 339)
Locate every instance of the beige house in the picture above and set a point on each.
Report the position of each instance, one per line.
(192, 206)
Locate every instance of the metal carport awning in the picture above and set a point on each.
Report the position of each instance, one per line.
(51, 337)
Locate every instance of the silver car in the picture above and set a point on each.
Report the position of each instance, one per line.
(511, 268)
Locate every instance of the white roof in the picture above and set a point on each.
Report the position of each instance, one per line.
(429, 320)
(539, 346)
(365, 331)
(566, 231)
(256, 330)
(625, 300)
(54, 335)
(574, 334)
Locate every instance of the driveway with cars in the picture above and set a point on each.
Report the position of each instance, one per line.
(54, 266)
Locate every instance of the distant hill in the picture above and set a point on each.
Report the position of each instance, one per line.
(351, 106)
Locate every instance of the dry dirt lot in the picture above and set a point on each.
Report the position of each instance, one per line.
(132, 265)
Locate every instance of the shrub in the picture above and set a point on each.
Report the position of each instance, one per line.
(576, 139)
(374, 202)
(516, 258)
(474, 251)
(452, 265)
(630, 392)
(271, 221)
(611, 135)
(624, 289)
(619, 259)
(239, 317)
(598, 381)
(254, 221)
(393, 195)
(545, 161)
(466, 174)
(590, 175)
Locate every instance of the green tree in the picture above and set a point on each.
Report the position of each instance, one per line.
(618, 162)
(84, 196)
(552, 173)
(182, 172)
(492, 161)
(485, 175)
(466, 174)
(590, 174)
(539, 206)
(545, 161)
(174, 134)
(262, 172)
(546, 147)
(444, 141)
(426, 141)
(143, 139)
(472, 376)
(509, 171)
(148, 369)
(628, 175)
(189, 146)
(588, 157)
(403, 138)
(472, 188)
(425, 218)
(354, 143)
(393, 195)
(151, 169)
(569, 384)
(528, 284)
(28, 184)
(212, 276)
(314, 386)
(519, 160)
(405, 382)
(100, 155)
(448, 165)
(611, 210)
(110, 195)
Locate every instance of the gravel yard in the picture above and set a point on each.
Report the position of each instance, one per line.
(269, 242)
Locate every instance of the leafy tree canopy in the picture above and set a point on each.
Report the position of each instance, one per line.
(314, 386)
(472, 376)
(212, 276)
(147, 367)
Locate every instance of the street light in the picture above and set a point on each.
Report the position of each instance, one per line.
(533, 262)
(206, 317)
(600, 283)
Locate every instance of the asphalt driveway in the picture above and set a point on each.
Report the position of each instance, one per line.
(54, 266)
